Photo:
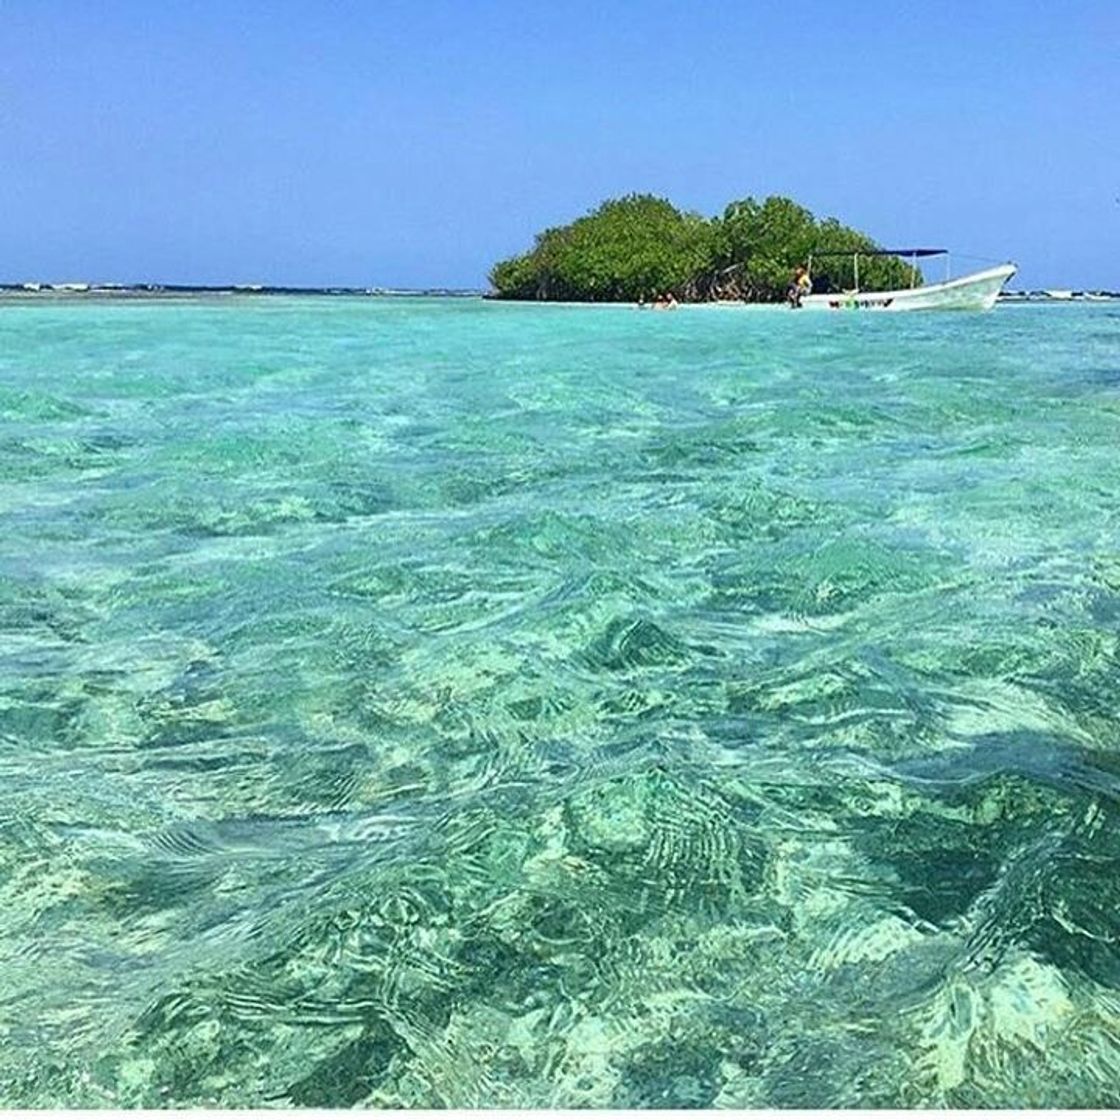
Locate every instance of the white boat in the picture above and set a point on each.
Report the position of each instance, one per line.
(977, 291)
(1059, 293)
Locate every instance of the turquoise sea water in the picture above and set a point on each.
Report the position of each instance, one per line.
(417, 702)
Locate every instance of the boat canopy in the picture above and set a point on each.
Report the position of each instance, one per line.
(855, 254)
(879, 252)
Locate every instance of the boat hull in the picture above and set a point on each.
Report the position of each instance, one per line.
(976, 292)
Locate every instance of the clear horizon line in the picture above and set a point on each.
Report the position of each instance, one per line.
(224, 286)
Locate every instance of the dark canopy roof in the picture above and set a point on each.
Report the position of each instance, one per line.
(879, 252)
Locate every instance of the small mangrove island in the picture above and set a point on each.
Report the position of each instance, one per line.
(640, 247)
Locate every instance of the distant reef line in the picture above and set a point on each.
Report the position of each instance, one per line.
(18, 292)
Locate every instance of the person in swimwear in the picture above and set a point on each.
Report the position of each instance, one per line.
(801, 285)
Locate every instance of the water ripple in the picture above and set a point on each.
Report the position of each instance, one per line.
(446, 704)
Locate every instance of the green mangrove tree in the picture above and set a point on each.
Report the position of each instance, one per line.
(640, 246)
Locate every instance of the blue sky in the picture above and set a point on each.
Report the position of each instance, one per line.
(412, 144)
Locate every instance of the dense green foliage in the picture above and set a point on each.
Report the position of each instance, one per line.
(639, 246)
(627, 248)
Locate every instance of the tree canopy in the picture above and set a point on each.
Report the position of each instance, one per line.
(641, 246)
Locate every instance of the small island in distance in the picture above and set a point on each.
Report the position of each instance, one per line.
(640, 247)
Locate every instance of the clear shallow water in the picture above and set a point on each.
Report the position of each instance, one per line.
(442, 703)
